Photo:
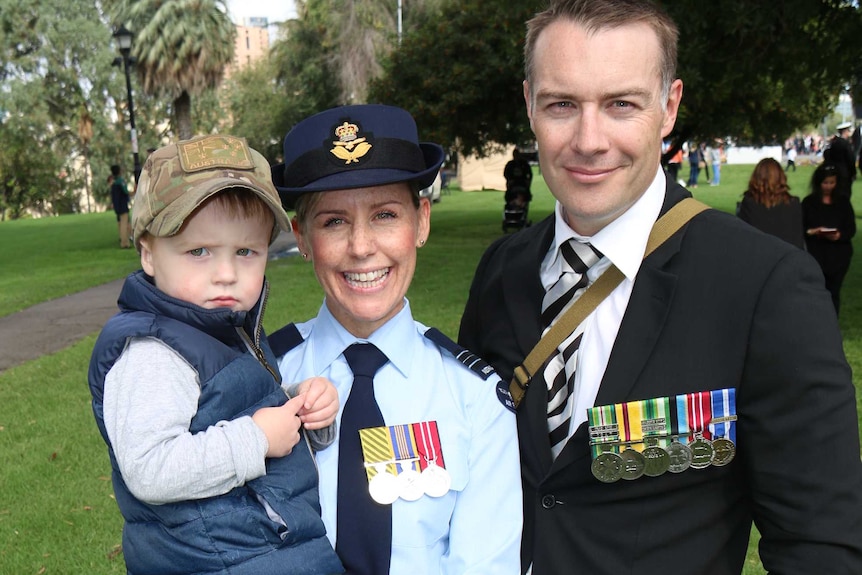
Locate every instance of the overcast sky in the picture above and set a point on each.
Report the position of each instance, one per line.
(275, 10)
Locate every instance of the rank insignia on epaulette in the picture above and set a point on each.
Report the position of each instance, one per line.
(470, 360)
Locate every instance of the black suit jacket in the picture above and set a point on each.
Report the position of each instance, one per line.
(719, 305)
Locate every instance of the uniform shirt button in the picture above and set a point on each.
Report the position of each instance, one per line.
(548, 501)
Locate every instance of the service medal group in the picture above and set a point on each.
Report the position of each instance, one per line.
(404, 461)
(665, 434)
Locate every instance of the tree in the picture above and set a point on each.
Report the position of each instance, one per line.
(753, 69)
(181, 48)
(56, 77)
(460, 74)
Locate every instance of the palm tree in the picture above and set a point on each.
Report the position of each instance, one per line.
(182, 48)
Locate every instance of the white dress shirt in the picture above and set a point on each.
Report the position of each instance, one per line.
(623, 242)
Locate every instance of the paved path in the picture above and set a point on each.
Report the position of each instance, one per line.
(55, 325)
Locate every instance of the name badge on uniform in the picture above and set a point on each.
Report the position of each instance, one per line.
(404, 461)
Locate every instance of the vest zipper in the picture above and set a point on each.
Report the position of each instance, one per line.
(254, 344)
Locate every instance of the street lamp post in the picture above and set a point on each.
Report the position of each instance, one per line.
(124, 43)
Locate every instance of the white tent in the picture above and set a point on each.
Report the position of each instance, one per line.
(483, 173)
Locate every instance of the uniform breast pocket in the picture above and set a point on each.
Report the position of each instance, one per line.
(424, 522)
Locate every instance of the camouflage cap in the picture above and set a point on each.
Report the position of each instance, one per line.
(178, 178)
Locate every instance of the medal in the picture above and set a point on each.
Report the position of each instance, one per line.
(723, 451)
(607, 467)
(701, 452)
(723, 426)
(655, 427)
(629, 416)
(383, 487)
(679, 457)
(410, 485)
(435, 480)
(633, 464)
(656, 459)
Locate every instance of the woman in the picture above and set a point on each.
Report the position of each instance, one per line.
(830, 224)
(768, 206)
(441, 461)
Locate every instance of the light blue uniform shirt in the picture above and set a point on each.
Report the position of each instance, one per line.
(474, 528)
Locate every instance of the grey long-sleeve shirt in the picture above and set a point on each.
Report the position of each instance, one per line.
(151, 395)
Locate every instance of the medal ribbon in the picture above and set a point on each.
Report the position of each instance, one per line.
(404, 444)
(428, 444)
(700, 412)
(604, 429)
(679, 424)
(656, 416)
(724, 409)
(377, 448)
(631, 415)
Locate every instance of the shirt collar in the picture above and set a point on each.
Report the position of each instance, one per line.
(329, 339)
(623, 241)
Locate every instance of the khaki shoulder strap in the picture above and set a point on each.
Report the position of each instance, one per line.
(663, 228)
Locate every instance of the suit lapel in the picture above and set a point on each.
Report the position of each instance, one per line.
(523, 293)
(522, 287)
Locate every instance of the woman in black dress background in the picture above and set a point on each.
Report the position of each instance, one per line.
(768, 206)
(830, 225)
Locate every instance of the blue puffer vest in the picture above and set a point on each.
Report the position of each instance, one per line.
(231, 533)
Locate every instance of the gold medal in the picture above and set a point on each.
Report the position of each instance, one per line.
(723, 451)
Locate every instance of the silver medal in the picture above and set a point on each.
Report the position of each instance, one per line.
(410, 487)
(383, 487)
(436, 481)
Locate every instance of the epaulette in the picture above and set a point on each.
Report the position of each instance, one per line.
(474, 363)
(465, 356)
(285, 339)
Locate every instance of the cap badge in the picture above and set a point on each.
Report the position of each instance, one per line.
(349, 146)
(213, 152)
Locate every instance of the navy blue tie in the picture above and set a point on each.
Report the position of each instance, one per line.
(364, 527)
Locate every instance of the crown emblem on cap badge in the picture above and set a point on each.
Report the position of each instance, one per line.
(349, 147)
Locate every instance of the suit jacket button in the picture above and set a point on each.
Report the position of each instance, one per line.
(548, 501)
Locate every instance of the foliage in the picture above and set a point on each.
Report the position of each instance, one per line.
(181, 48)
(755, 70)
(55, 103)
(326, 57)
(460, 74)
(257, 106)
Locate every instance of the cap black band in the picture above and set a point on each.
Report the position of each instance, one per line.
(385, 153)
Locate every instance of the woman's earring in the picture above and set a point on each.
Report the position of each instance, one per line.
(305, 256)
(421, 243)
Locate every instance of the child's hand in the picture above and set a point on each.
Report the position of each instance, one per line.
(320, 402)
(281, 426)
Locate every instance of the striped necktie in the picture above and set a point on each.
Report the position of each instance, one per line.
(363, 526)
(559, 371)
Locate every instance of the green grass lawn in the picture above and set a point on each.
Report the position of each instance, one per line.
(57, 512)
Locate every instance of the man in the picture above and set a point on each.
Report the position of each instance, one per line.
(120, 201)
(718, 308)
(840, 153)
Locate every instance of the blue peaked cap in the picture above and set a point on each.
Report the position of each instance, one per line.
(354, 147)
